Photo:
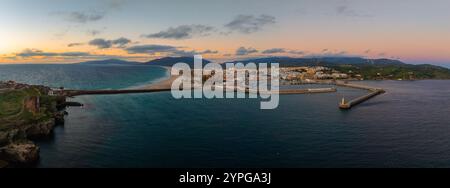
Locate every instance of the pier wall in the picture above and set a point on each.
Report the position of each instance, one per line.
(361, 99)
(344, 105)
(72, 93)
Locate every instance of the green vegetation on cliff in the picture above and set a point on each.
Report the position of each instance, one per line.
(26, 112)
(402, 71)
(15, 106)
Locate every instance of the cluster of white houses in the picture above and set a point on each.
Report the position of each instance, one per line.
(287, 74)
(304, 73)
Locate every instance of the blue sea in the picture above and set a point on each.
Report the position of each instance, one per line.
(406, 127)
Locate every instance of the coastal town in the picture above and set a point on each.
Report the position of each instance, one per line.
(298, 75)
(303, 75)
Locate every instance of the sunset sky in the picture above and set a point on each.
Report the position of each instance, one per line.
(64, 31)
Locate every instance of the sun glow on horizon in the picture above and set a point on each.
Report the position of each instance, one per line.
(69, 32)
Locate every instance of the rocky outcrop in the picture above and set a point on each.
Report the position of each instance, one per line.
(59, 118)
(7, 137)
(21, 152)
(39, 130)
(31, 131)
(16, 149)
(15, 145)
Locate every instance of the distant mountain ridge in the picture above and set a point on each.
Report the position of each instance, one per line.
(368, 68)
(165, 61)
(109, 62)
(311, 61)
(170, 61)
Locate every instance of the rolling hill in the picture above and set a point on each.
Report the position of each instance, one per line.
(368, 68)
(170, 61)
(108, 62)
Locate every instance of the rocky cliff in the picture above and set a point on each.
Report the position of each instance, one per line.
(33, 120)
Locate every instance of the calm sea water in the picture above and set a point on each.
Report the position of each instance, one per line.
(406, 127)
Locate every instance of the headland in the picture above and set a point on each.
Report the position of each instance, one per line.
(27, 112)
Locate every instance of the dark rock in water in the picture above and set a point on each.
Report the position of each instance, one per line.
(63, 105)
(59, 117)
(60, 103)
(73, 104)
(24, 152)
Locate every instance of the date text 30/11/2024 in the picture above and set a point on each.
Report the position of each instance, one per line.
(227, 178)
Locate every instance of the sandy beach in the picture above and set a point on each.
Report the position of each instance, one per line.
(163, 84)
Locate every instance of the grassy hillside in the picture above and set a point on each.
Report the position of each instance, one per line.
(14, 112)
(367, 68)
(387, 71)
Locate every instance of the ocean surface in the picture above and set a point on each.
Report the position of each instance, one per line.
(409, 126)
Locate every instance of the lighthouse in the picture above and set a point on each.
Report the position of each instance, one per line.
(343, 101)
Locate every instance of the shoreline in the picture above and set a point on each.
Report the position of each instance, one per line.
(163, 83)
(166, 83)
